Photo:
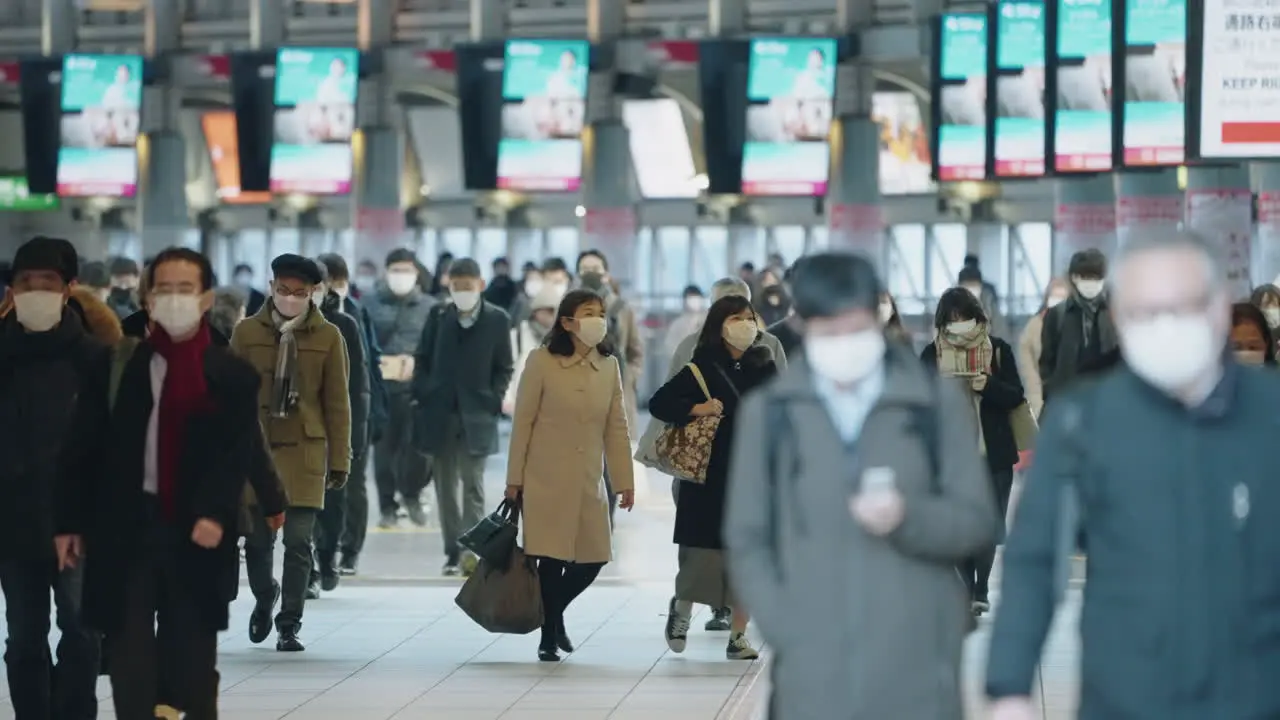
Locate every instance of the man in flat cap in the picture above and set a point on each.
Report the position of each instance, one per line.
(306, 414)
(47, 360)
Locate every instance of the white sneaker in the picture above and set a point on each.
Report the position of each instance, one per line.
(740, 648)
(677, 630)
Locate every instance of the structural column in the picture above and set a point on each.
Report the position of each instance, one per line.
(163, 220)
(608, 193)
(378, 216)
(488, 19)
(1266, 267)
(1084, 218)
(855, 217)
(266, 24)
(58, 26)
(1147, 203)
(1219, 206)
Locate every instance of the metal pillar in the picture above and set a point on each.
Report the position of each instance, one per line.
(162, 152)
(726, 18)
(1084, 218)
(1220, 207)
(266, 24)
(57, 26)
(378, 218)
(488, 19)
(855, 217)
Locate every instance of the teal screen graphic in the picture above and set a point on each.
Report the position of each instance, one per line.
(1155, 67)
(101, 102)
(544, 91)
(791, 83)
(315, 98)
(962, 133)
(1019, 120)
(1082, 122)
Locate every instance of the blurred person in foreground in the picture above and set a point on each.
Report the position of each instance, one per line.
(1251, 338)
(1156, 465)
(1029, 347)
(894, 612)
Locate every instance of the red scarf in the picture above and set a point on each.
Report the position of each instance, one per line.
(184, 394)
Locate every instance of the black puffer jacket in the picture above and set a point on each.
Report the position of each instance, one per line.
(41, 377)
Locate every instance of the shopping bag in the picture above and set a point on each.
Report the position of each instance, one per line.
(684, 451)
(504, 599)
(494, 537)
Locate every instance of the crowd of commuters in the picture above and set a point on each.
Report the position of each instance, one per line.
(151, 419)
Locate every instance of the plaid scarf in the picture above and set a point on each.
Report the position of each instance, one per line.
(965, 355)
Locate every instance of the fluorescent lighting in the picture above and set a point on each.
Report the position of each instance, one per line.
(580, 211)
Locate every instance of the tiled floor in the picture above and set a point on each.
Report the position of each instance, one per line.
(391, 645)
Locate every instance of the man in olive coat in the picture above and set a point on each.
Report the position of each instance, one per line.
(306, 413)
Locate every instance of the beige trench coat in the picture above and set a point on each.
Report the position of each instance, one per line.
(569, 417)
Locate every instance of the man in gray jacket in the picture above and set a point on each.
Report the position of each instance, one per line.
(857, 486)
(647, 453)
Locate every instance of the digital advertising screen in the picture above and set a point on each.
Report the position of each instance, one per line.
(1082, 106)
(315, 114)
(790, 86)
(101, 109)
(1239, 79)
(962, 98)
(1155, 75)
(1019, 131)
(544, 93)
(14, 195)
(669, 173)
(904, 144)
(224, 154)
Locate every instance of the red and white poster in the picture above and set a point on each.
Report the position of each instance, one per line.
(1225, 217)
(612, 231)
(857, 228)
(1138, 216)
(1268, 270)
(378, 231)
(1082, 226)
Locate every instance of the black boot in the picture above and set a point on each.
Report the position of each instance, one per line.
(562, 638)
(350, 564)
(328, 570)
(260, 618)
(287, 639)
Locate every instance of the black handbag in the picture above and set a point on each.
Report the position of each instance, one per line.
(494, 537)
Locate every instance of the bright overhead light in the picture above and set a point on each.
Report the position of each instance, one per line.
(580, 211)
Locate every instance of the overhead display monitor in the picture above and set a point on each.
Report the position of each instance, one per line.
(1019, 131)
(224, 154)
(1238, 113)
(1082, 122)
(961, 97)
(904, 144)
(667, 172)
(14, 195)
(101, 108)
(1154, 91)
(315, 114)
(790, 86)
(544, 93)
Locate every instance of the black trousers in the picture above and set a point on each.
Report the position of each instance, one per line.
(397, 465)
(298, 532)
(977, 570)
(39, 689)
(331, 521)
(355, 522)
(163, 651)
(561, 583)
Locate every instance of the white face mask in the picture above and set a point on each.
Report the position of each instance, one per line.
(695, 303)
(1171, 351)
(343, 291)
(38, 310)
(1089, 289)
(401, 283)
(740, 333)
(177, 314)
(1251, 357)
(845, 359)
(1273, 315)
(963, 327)
(317, 297)
(591, 330)
(366, 281)
(244, 280)
(886, 313)
(1054, 301)
(290, 306)
(466, 300)
(532, 286)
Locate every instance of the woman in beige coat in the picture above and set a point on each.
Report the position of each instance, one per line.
(569, 419)
(1029, 344)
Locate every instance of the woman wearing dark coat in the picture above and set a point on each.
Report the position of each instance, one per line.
(965, 352)
(731, 362)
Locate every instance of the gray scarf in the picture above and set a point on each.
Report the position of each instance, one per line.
(1088, 315)
(284, 388)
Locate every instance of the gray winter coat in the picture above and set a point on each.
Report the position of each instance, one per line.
(895, 610)
(398, 323)
(683, 355)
